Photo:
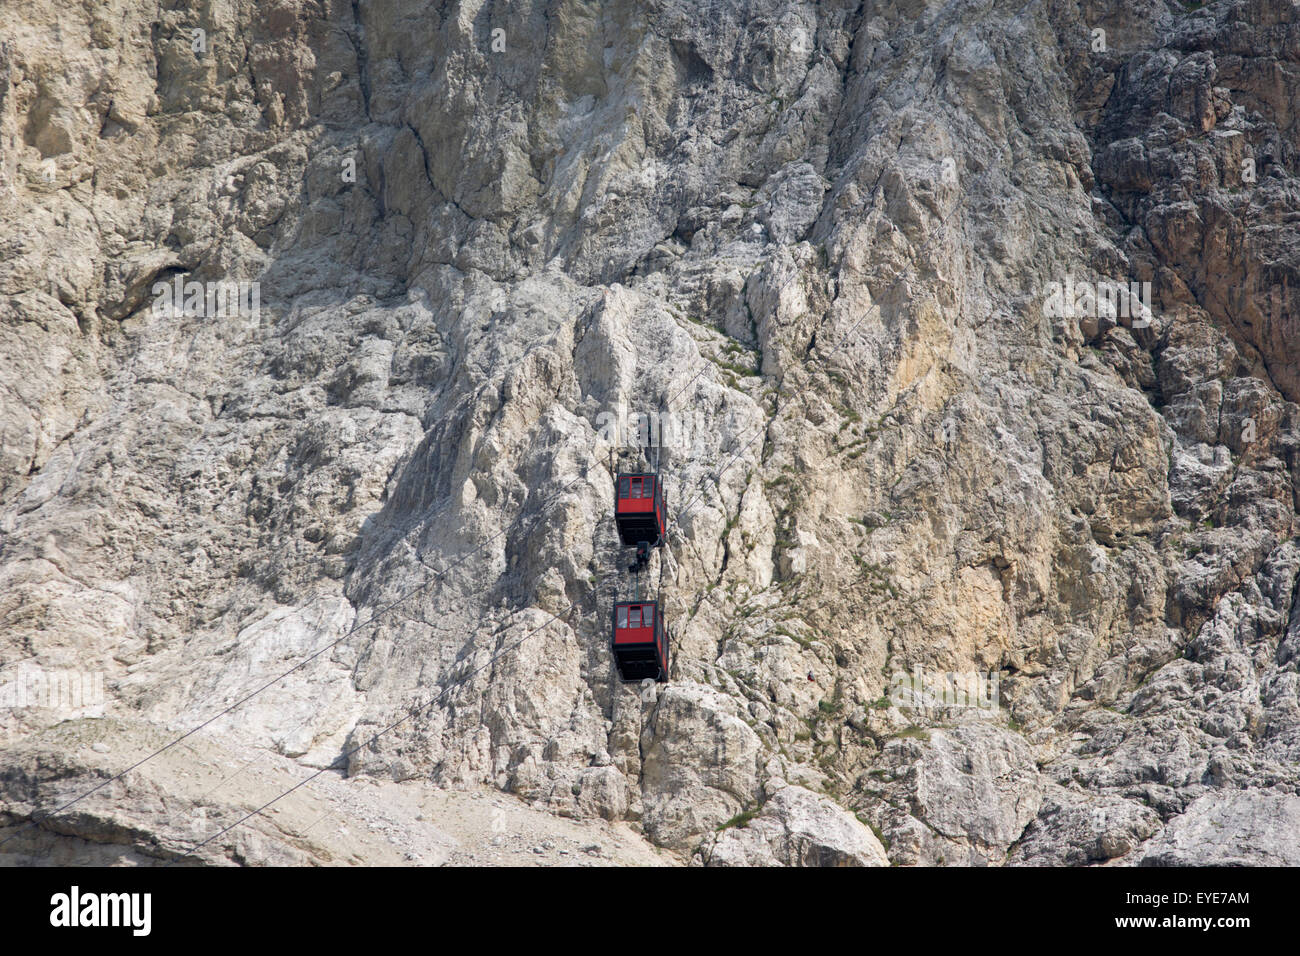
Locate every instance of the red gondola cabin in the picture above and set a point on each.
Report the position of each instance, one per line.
(639, 509)
(640, 641)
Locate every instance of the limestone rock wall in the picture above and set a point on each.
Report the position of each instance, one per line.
(819, 242)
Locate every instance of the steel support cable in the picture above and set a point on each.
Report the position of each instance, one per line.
(352, 631)
(343, 757)
(422, 587)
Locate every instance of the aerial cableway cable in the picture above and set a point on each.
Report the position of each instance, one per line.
(438, 575)
(660, 639)
(352, 631)
(342, 758)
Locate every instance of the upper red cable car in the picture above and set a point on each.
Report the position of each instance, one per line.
(639, 509)
(639, 641)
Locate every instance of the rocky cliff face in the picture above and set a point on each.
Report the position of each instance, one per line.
(848, 255)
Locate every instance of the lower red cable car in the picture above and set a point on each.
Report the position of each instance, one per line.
(640, 641)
